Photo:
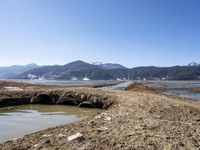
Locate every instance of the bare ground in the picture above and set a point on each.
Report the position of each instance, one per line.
(136, 120)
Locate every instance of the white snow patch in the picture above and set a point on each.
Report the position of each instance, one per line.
(86, 79)
(32, 76)
(74, 78)
(118, 79)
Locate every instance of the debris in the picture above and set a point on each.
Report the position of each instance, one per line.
(104, 115)
(77, 136)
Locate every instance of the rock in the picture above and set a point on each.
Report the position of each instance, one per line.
(104, 116)
(45, 141)
(83, 97)
(42, 143)
(60, 135)
(102, 129)
(77, 136)
(36, 145)
(107, 118)
(46, 135)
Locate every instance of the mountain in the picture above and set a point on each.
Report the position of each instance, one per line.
(194, 64)
(165, 73)
(6, 72)
(108, 65)
(77, 70)
(80, 70)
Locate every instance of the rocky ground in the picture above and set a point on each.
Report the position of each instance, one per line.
(135, 120)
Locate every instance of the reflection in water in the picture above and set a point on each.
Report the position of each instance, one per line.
(25, 119)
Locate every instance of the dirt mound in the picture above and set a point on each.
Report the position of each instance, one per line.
(140, 87)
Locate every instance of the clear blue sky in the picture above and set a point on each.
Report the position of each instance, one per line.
(130, 32)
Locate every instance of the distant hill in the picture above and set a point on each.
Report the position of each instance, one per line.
(6, 72)
(165, 73)
(77, 70)
(108, 65)
(80, 70)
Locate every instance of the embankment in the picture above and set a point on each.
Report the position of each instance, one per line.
(133, 120)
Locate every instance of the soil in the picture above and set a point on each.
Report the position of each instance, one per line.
(153, 89)
(133, 120)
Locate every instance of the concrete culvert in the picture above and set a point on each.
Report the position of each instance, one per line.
(67, 102)
(42, 99)
(87, 104)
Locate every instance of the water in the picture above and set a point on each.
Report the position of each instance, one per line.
(184, 94)
(26, 119)
(8, 88)
(64, 82)
(175, 84)
(120, 86)
(178, 91)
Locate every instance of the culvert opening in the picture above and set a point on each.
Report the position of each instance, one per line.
(43, 99)
(86, 100)
(87, 105)
(68, 102)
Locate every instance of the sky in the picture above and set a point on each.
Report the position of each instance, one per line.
(130, 32)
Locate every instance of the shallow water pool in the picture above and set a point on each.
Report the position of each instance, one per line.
(21, 120)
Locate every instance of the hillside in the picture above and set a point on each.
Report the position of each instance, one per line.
(6, 72)
(165, 73)
(109, 65)
(80, 70)
(77, 70)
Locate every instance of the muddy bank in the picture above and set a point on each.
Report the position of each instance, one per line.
(134, 120)
(26, 85)
(141, 87)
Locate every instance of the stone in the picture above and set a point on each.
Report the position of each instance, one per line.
(107, 118)
(77, 136)
(46, 135)
(60, 135)
(36, 145)
(104, 116)
(102, 129)
(83, 97)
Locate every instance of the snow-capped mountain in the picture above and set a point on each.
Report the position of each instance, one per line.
(194, 64)
(108, 65)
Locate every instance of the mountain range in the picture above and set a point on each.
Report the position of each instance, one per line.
(80, 70)
(9, 72)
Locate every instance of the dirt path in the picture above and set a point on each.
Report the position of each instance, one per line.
(136, 120)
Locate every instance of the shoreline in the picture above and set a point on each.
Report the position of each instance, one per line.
(132, 120)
